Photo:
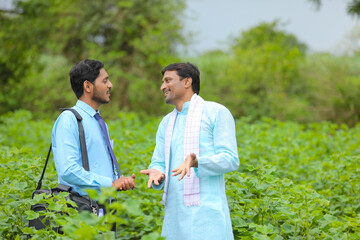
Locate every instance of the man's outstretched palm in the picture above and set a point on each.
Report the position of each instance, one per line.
(155, 176)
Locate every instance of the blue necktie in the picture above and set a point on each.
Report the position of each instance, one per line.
(103, 128)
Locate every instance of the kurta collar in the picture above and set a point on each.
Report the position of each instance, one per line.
(185, 108)
(84, 106)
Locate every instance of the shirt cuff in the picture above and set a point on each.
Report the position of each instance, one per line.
(200, 170)
(105, 181)
(158, 187)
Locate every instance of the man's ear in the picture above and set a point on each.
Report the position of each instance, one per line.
(188, 82)
(88, 86)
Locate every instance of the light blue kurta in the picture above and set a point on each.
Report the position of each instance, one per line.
(218, 155)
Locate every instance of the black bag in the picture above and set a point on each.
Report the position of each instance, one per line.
(84, 203)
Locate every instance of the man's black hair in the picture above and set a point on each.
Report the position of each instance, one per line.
(185, 70)
(84, 70)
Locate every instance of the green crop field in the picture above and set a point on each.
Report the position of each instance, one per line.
(295, 181)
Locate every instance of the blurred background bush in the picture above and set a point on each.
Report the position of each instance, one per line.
(265, 71)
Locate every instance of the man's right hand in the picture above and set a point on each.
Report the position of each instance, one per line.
(124, 183)
(155, 176)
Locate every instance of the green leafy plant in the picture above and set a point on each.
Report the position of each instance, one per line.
(295, 181)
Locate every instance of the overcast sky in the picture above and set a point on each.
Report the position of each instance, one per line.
(213, 22)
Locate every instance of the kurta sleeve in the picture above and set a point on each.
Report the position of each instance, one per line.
(226, 157)
(67, 155)
(158, 158)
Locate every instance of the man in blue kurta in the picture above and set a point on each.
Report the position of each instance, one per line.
(192, 159)
(91, 85)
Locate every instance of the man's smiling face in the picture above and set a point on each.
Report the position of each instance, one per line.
(172, 87)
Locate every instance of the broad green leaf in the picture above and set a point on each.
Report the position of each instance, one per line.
(31, 215)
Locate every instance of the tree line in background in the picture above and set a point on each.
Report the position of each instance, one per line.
(41, 40)
(268, 73)
(352, 8)
(265, 72)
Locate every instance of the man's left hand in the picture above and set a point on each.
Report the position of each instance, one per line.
(184, 168)
(124, 183)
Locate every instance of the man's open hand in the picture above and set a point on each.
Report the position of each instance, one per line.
(155, 176)
(184, 168)
(124, 183)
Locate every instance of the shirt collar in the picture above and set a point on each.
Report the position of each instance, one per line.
(86, 108)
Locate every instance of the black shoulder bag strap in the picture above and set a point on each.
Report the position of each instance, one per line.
(84, 155)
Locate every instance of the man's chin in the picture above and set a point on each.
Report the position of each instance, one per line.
(104, 101)
(168, 101)
(101, 101)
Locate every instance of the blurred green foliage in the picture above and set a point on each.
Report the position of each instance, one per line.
(268, 73)
(265, 72)
(295, 181)
(41, 40)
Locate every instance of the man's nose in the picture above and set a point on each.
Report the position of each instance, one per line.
(162, 87)
(110, 85)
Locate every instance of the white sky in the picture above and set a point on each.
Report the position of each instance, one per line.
(213, 22)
